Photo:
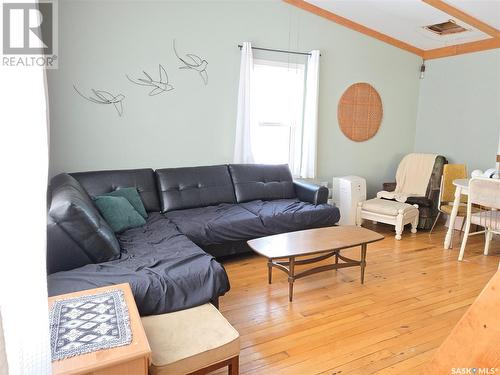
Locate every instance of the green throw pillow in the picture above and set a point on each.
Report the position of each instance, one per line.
(133, 197)
(118, 212)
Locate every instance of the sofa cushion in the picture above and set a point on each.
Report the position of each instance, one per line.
(259, 181)
(74, 220)
(287, 215)
(102, 182)
(218, 224)
(178, 347)
(191, 187)
(166, 271)
(386, 207)
(118, 212)
(132, 195)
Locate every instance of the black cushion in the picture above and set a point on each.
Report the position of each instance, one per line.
(264, 182)
(421, 201)
(218, 224)
(287, 215)
(166, 271)
(191, 187)
(102, 182)
(77, 233)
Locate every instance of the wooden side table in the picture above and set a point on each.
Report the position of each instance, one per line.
(122, 360)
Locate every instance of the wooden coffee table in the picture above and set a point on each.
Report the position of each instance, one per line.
(322, 242)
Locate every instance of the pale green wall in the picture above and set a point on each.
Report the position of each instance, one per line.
(459, 109)
(194, 125)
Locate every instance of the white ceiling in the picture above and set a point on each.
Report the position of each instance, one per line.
(404, 19)
(487, 11)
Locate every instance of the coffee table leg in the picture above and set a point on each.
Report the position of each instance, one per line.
(291, 278)
(269, 270)
(363, 263)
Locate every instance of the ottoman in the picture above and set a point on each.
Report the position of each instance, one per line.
(193, 341)
(388, 212)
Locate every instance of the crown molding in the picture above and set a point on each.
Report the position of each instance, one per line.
(354, 26)
(458, 49)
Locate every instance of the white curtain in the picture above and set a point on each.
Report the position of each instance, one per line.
(23, 279)
(243, 140)
(310, 125)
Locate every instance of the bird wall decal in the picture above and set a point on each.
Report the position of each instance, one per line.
(195, 63)
(104, 97)
(159, 86)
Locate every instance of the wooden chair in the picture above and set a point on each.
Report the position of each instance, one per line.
(452, 172)
(486, 193)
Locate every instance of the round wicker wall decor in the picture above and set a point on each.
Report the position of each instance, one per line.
(360, 112)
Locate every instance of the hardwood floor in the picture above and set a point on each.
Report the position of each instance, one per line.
(414, 293)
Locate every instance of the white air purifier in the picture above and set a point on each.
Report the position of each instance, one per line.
(346, 193)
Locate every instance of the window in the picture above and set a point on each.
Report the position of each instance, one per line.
(277, 114)
(277, 111)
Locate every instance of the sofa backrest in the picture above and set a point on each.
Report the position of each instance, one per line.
(76, 232)
(102, 182)
(191, 187)
(63, 253)
(260, 181)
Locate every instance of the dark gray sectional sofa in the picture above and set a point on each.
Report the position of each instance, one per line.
(195, 215)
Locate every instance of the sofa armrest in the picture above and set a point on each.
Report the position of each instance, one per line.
(309, 192)
(389, 186)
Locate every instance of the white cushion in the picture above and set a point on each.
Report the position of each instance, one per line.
(188, 340)
(387, 207)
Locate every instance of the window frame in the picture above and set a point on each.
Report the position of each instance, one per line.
(295, 128)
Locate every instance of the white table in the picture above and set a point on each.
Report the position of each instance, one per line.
(461, 187)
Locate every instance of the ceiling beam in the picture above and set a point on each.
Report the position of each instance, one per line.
(464, 17)
(354, 26)
(460, 49)
(436, 53)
